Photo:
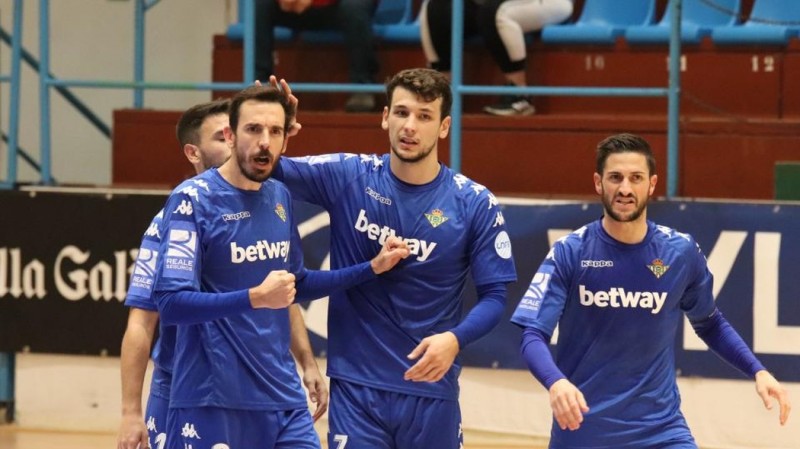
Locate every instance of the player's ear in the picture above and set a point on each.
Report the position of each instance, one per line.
(229, 137)
(192, 153)
(444, 127)
(385, 118)
(653, 181)
(598, 183)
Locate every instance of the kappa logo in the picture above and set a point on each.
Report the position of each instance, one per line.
(192, 192)
(617, 297)
(597, 263)
(436, 218)
(189, 431)
(237, 216)
(499, 220)
(152, 231)
(185, 208)
(201, 183)
(378, 197)
(151, 424)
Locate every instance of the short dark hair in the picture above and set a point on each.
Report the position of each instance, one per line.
(262, 94)
(188, 128)
(427, 84)
(624, 143)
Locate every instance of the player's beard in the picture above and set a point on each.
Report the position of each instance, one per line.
(416, 158)
(608, 205)
(252, 172)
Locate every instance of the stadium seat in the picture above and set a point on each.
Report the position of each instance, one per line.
(770, 22)
(602, 21)
(697, 20)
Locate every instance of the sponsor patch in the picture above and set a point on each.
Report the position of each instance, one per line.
(502, 244)
(179, 261)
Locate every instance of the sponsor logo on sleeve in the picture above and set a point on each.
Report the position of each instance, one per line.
(502, 244)
(179, 261)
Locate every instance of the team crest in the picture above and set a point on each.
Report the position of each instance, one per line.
(436, 218)
(658, 268)
(280, 211)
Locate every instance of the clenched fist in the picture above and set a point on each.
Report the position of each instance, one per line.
(393, 250)
(276, 291)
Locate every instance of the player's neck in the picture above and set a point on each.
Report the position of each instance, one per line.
(415, 173)
(230, 172)
(630, 232)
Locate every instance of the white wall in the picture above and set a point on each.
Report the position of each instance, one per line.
(93, 39)
(83, 393)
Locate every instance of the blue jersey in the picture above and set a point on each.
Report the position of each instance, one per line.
(618, 307)
(140, 292)
(453, 228)
(218, 239)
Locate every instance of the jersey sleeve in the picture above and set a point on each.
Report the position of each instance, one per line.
(140, 287)
(179, 266)
(698, 300)
(491, 259)
(543, 303)
(316, 179)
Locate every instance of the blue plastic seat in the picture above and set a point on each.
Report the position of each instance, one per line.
(770, 22)
(602, 21)
(697, 20)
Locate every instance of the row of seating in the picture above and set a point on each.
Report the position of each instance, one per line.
(771, 22)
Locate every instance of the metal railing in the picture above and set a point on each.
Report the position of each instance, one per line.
(246, 15)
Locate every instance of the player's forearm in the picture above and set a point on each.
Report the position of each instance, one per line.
(300, 344)
(537, 356)
(135, 354)
(720, 336)
(317, 284)
(189, 307)
(486, 314)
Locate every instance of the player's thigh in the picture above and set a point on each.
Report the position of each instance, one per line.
(428, 423)
(155, 418)
(297, 430)
(357, 417)
(218, 428)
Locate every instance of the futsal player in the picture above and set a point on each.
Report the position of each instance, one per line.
(393, 342)
(617, 288)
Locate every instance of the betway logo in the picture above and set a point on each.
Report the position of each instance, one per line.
(420, 248)
(618, 297)
(262, 250)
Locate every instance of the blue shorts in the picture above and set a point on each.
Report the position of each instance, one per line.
(219, 428)
(155, 418)
(367, 418)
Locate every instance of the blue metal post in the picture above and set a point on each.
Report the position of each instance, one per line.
(44, 90)
(13, 119)
(674, 98)
(7, 370)
(249, 41)
(138, 52)
(456, 81)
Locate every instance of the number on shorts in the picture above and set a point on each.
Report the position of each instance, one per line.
(341, 439)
